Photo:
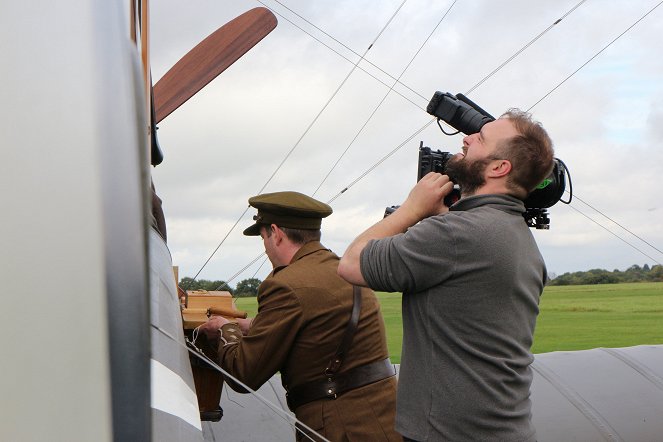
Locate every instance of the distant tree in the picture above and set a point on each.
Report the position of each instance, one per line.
(599, 276)
(220, 285)
(247, 287)
(188, 283)
(656, 273)
(635, 273)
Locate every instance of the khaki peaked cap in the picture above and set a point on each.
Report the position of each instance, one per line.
(287, 209)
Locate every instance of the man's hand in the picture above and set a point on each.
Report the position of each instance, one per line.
(212, 326)
(427, 197)
(244, 325)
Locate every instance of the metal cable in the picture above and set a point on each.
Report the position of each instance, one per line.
(370, 117)
(472, 89)
(518, 52)
(338, 53)
(308, 128)
(595, 55)
(612, 233)
(278, 410)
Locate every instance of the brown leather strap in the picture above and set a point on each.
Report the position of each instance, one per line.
(332, 387)
(350, 329)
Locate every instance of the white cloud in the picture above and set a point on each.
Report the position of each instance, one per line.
(223, 145)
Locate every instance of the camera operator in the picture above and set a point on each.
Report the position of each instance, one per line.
(471, 277)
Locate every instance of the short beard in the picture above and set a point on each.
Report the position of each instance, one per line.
(468, 175)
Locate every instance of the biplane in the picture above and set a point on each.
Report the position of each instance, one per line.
(94, 334)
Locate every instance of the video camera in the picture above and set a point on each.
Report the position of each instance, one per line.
(465, 116)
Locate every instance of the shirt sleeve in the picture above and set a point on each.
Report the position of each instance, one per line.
(413, 261)
(255, 358)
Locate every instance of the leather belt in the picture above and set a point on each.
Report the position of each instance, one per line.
(335, 385)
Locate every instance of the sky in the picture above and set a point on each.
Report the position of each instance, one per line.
(320, 116)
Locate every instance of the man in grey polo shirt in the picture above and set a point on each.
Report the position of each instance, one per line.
(471, 277)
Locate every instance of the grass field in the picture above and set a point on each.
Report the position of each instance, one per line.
(572, 317)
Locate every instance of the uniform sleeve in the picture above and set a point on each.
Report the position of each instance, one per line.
(413, 261)
(256, 357)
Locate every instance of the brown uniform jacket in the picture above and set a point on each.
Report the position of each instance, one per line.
(303, 309)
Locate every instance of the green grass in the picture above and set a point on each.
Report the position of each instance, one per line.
(571, 318)
(608, 315)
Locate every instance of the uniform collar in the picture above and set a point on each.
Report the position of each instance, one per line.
(306, 249)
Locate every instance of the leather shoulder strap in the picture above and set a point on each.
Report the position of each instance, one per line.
(349, 334)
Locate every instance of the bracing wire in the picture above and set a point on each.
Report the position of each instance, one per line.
(240, 271)
(346, 47)
(511, 58)
(306, 131)
(613, 233)
(473, 88)
(621, 226)
(370, 117)
(595, 55)
(222, 241)
(279, 411)
(537, 102)
(380, 161)
(518, 52)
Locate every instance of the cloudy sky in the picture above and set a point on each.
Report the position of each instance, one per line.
(599, 94)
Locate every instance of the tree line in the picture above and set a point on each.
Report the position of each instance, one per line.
(635, 273)
(244, 288)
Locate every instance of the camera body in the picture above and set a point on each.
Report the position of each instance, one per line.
(436, 161)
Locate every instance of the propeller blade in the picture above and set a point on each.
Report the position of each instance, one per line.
(209, 58)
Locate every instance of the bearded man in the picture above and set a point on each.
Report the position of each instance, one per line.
(471, 277)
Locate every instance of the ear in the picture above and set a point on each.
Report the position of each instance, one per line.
(277, 233)
(499, 168)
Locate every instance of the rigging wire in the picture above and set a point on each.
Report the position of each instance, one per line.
(240, 271)
(623, 227)
(404, 142)
(370, 117)
(346, 47)
(287, 417)
(529, 109)
(222, 241)
(530, 43)
(381, 160)
(470, 90)
(596, 55)
(347, 77)
(306, 131)
(511, 58)
(611, 232)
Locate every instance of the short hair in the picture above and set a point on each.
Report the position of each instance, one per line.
(530, 152)
(297, 236)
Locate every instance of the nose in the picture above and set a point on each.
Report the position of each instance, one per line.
(467, 139)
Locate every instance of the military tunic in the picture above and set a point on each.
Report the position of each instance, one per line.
(303, 309)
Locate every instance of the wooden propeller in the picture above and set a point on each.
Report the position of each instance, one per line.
(209, 58)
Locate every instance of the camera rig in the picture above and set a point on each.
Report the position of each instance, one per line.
(465, 116)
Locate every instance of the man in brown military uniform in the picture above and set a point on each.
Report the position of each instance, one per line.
(334, 367)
